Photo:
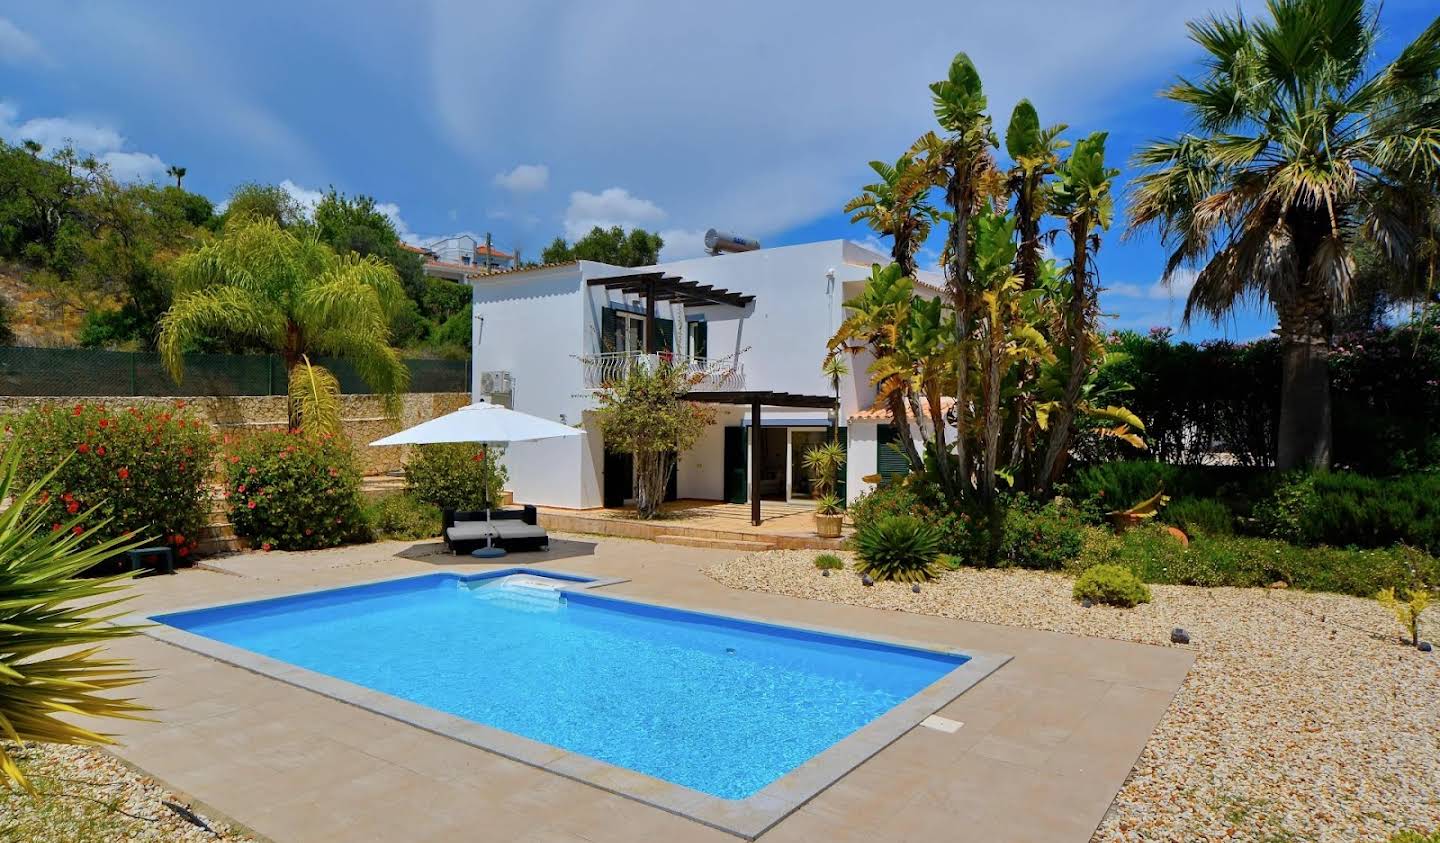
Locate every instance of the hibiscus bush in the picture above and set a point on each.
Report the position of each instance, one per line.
(288, 491)
(142, 469)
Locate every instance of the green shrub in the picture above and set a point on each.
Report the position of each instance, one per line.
(1248, 562)
(456, 476)
(1198, 516)
(1342, 508)
(1043, 537)
(829, 562)
(288, 491)
(1113, 585)
(959, 533)
(143, 468)
(1415, 837)
(403, 517)
(1108, 486)
(897, 547)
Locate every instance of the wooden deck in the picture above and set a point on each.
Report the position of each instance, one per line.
(702, 524)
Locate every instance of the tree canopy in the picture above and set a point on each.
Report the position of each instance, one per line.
(611, 245)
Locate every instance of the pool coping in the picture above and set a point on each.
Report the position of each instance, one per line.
(747, 818)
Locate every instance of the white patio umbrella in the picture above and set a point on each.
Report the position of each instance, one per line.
(485, 424)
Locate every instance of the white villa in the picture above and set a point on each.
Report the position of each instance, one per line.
(754, 323)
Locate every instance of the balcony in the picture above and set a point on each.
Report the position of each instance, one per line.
(707, 374)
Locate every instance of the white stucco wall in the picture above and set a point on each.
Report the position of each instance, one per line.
(536, 324)
(860, 458)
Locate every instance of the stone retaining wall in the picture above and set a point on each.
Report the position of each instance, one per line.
(362, 416)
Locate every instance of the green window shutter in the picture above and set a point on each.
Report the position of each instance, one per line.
(699, 339)
(840, 480)
(890, 460)
(609, 329)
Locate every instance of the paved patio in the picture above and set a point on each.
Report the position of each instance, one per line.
(1047, 739)
(787, 524)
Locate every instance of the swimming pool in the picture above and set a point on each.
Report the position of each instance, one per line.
(719, 705)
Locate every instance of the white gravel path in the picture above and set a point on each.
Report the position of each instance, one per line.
(89, 796)
(1303, 717)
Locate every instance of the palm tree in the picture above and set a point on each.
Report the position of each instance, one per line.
(265, 284)
(1297, 153)
(177, 172)
(896, 207)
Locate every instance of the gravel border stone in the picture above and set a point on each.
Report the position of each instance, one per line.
(1304, 717)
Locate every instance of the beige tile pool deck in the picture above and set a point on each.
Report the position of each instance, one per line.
(1047, 739)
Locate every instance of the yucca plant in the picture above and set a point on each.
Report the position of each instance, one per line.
(45, 608)
(897, 547)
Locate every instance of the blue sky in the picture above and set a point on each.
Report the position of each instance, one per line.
(544, 118)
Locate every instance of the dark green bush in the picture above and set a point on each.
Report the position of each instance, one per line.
(829, 562)
(959, 533)
(1415, 837)
(456, 476)
(1248, 562)
(1224, 397)
(1043, 537)
(897, 547)
(1113, 585)
(144, 467)
(1342, 508)
(403, 517)
(1197, 516)
(293, 492)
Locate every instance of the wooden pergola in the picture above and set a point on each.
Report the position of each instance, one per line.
(758, 398)
(657, 286)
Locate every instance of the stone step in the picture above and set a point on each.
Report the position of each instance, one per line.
(220, 530)
(717, 544)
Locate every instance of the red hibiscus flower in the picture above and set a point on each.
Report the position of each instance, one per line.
(124, 473)
(251, 504)
(265, 547)
(72, 507)
(77, 530)
(83, 448)
(100, 450)
(104, 423)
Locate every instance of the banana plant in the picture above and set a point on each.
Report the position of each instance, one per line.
(54, 623)
(1035, 153)
(1081, 195)
(874, 322)
(896, 207)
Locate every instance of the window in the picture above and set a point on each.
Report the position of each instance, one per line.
(630, 332)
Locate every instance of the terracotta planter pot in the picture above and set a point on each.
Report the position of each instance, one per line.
(828, 526)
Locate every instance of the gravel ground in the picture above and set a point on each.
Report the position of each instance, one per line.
(1303, 718)
(87, 796)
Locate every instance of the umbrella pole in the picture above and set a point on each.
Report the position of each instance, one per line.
(489, 551)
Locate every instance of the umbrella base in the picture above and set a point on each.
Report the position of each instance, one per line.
(488, 552)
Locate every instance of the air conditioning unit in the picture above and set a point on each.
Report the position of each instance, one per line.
(495, 383)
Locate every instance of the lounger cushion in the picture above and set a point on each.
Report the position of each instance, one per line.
(471, 531)
(519, 530)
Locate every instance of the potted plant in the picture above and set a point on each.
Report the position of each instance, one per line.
(824, 463)
(828, 516)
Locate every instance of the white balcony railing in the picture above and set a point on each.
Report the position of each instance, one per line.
(707, 373)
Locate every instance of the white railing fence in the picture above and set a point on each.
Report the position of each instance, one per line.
(708, 373)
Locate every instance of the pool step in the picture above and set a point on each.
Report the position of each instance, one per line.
(521, 597)
(717, 544)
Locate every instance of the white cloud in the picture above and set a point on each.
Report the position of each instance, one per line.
(133, 166)
(1177, 290)
(307, 197)
(19, 47)
(759, 129)
(610, 207)
(682, 243)
(525, 178)
(88, 137)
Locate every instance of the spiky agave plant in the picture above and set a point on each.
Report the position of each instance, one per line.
(52, 626)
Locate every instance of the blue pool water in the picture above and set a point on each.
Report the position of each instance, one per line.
(716, 704)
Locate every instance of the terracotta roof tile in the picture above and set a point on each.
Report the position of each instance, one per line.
(881, 413)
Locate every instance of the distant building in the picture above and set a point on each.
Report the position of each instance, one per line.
(461, 257)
